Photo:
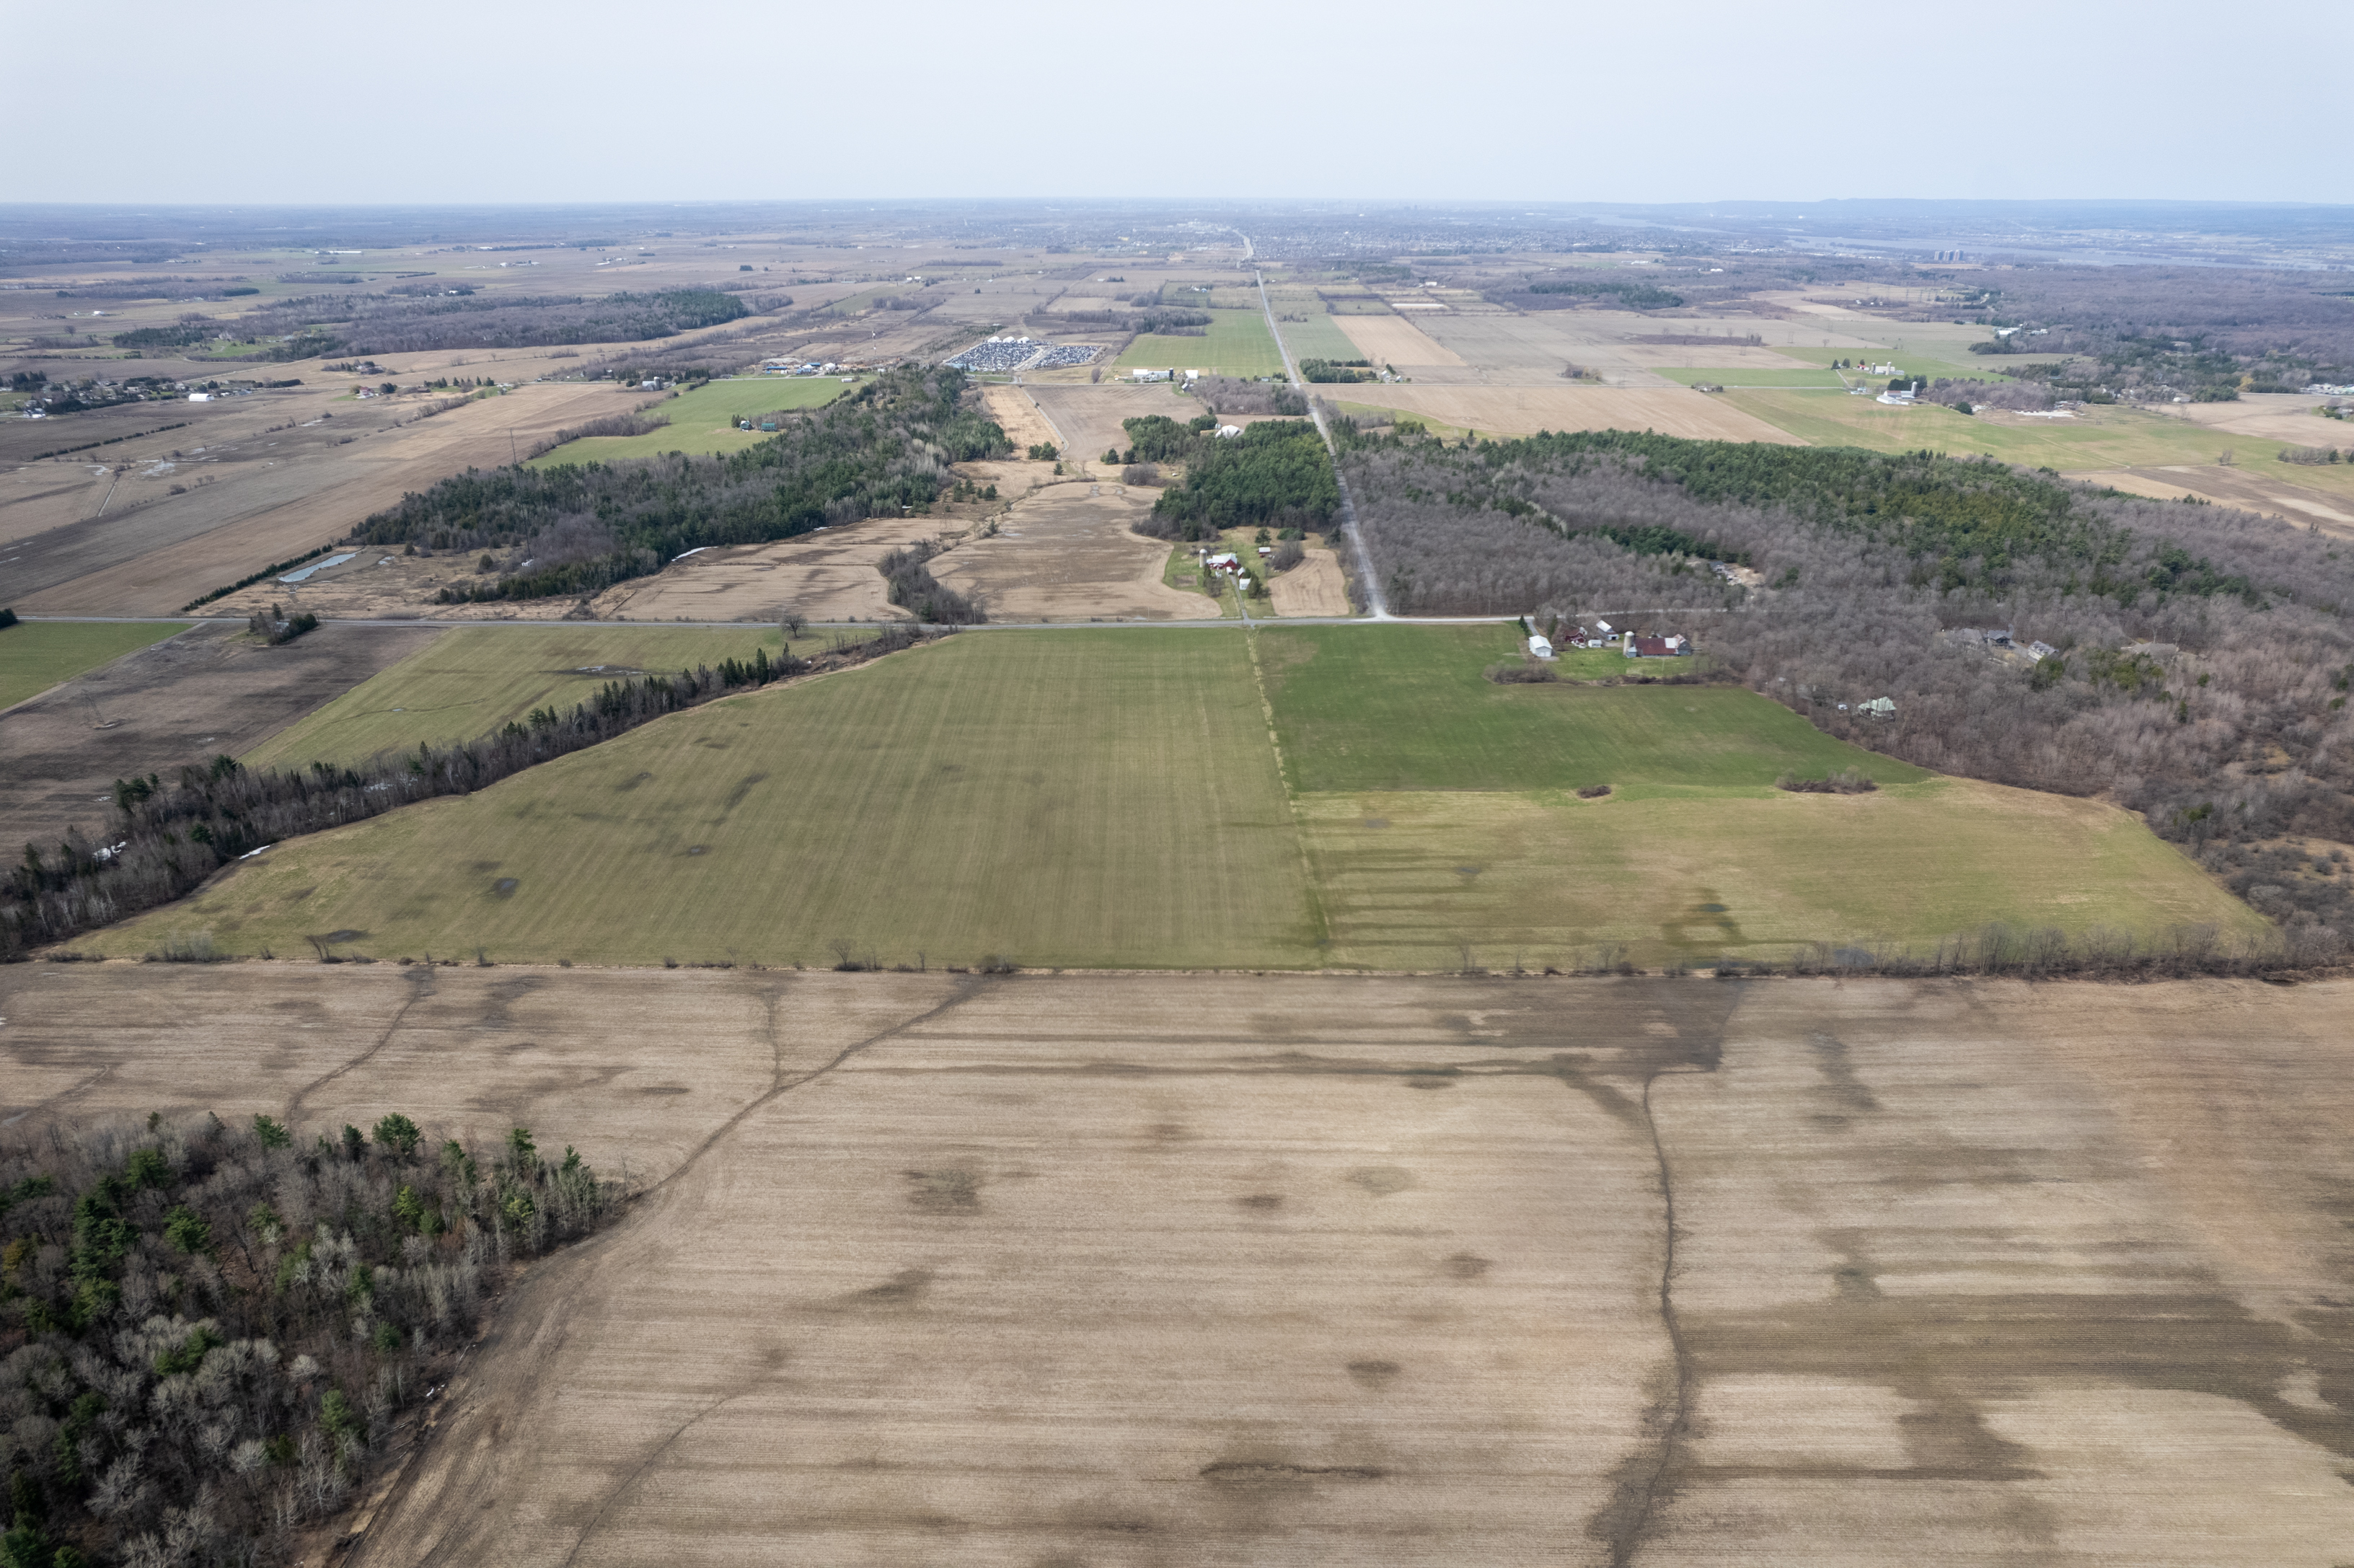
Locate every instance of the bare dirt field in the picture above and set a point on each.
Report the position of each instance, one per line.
(1393, 340)
(211, 690)
(1524, 410)
(1065, 551)
(1089, 416)
(1235, 1269)
(1314, 586)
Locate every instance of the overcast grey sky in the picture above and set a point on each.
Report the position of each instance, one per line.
(490, 100)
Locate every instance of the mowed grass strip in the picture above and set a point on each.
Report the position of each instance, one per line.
(1427, 880)
(38, 654)
(703, 420)
(1069, 798)
(1408, 707)
(472, 680)
(1318, 337)
(1234, 343)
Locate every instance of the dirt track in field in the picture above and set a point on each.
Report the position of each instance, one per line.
(1235, 1269)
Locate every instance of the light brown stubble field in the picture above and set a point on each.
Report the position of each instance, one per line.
(1237, 1269)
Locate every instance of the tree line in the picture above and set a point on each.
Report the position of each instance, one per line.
(1275, 474)
(392, 324)
(882, 450)
(212, 1327)
(2202, 657)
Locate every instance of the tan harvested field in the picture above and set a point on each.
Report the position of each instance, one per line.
(1065, 551)
(1314, 586)
(1018, 414)
(1130, 1270)
(1393, 340)
(1089, 416)
(1524, 410)
(826, 575)
(211, 690)
(266, 510)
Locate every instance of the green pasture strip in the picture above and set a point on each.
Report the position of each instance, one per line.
(1408, 708)
(38, 654)
(472, 679)
(1237, 343)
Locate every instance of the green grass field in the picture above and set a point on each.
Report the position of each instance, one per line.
(470, 680)
(1111, 799)
(1237, 345)
(1406, 707)
(2105, 437)
(36, 655)
(703, 420)
(1318, 337)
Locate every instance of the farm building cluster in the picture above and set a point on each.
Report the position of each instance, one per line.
(1602, 634)
(999, 354)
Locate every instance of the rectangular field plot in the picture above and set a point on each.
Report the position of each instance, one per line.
(36, 655)
(474, 679)
(1235, 344)
(1318, 337)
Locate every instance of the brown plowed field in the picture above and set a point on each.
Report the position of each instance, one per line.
(1239, 1270)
